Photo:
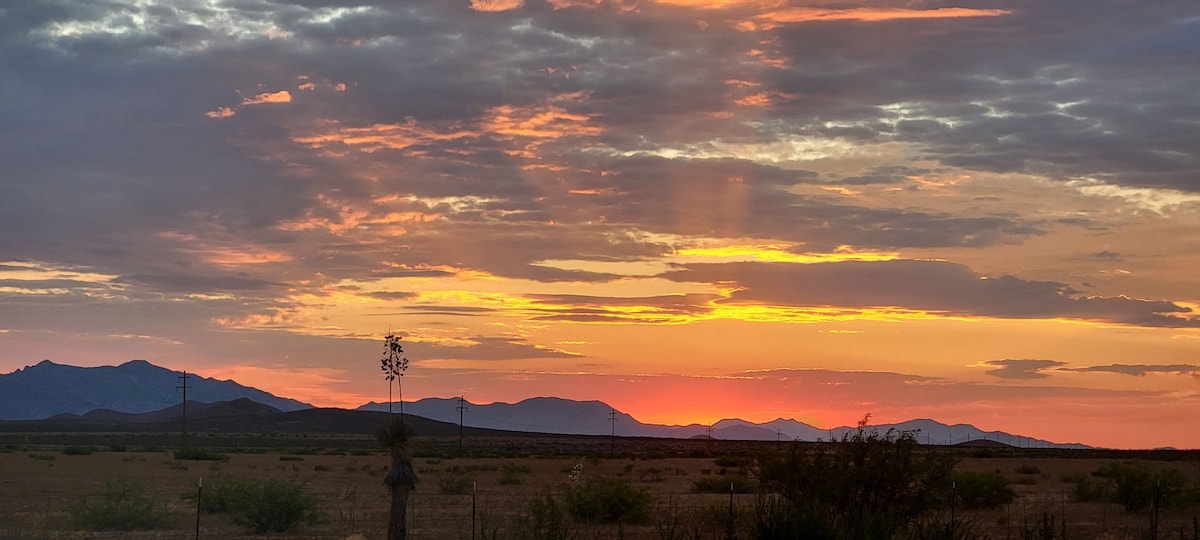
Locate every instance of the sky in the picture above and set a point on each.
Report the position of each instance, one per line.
(975, 211)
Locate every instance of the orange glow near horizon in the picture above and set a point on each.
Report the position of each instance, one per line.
(795, 15)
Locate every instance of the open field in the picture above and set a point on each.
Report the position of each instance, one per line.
(39, 484)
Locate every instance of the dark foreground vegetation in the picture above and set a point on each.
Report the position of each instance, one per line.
(867, 486)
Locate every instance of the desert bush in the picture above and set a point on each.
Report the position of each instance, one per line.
(78, 450)
(42, 457)
(867, 485)
(124, 506)
(199, 454)
(545, 519)
(511, 474)
(117, 448)
(1088, 490)
(290, 458)
(1028, 468)
(609, 500)
(721, 484)
(1134, 485)
(982, 490)
(271, 505)
(451, 483)
(263, 505)
(731, 462)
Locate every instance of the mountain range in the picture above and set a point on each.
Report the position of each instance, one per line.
(137, 386)
(556, 415)
(138, 392)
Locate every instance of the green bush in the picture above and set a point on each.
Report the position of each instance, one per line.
(199, 454)
(982, 490)
(271, 505)
(78, 450)
(609, 500)
(124, 506)
(263, 505)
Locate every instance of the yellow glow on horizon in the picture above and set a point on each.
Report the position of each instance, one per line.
(780, 253)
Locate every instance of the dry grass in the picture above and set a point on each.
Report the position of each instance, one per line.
(38, 493)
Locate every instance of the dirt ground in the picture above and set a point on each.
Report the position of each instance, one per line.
(40, 483)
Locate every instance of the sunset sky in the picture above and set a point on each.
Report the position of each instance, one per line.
(982, 211)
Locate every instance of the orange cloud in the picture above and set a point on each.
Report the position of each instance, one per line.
(721, 4)
(496, 5)
(221, 112)
(380, 136)
(282, 96)
(795, 15)
(544, 122)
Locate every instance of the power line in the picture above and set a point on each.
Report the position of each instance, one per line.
(612, 417)
(461, 409)
(183, 385)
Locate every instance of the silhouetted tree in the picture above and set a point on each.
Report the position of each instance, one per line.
(393, 364)
(401, 478)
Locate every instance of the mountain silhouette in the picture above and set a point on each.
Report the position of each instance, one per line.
(49, 389)
(564, 416)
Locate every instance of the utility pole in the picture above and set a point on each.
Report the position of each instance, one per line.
(461, 409)
(778, 434)
(612, 417)
(183, 385)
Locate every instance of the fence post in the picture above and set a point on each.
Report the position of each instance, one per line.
(474, 490)
(199, 493)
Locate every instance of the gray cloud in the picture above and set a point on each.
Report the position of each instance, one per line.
(927, 285)
(1021, 369)
(490, 348)
(1141, 370)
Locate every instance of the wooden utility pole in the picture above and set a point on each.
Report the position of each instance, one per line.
(612, 417)
(461, 409)
(183, 385)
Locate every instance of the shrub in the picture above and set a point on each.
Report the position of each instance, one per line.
(117, 448)
(731, 462)
(78, 450)
(866, 486)
(510, 474)
(710, 484)
(1087, 490)
(608, 500)
(42, 457)
(1134, 486)
(545, 519)
(199, 454)
(1028, 468)
(451, 483)
(124, 506)
(271, 505)
(290, 458)
(263, 505)
(982, 490)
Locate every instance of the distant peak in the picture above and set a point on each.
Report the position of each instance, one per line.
(136, 363)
